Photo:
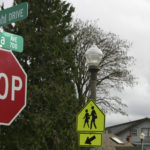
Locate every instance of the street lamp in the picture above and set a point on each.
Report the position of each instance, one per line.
(93, 57)
(142, 135)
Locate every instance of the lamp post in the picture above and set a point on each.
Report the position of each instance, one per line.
(93, 57)
(142, 135)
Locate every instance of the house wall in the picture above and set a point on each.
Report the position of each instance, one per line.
(136, 139)
(118, 128)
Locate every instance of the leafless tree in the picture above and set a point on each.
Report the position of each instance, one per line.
(114, 70)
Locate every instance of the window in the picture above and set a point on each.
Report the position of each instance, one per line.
(133, 132)
(146, 131)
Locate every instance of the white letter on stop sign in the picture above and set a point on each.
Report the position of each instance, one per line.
(15, 88)
(6, 86)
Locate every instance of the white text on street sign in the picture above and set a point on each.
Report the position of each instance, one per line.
(11, 41)
(14, 14)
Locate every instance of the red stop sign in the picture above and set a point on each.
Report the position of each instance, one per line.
(13, 87)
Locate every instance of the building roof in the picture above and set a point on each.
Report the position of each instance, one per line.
(132, 124)
(135, 121)
(109, 144)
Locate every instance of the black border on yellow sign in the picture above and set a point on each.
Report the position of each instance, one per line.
(82, 110)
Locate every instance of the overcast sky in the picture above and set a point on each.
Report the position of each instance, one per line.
(130, 19)
(7, 3)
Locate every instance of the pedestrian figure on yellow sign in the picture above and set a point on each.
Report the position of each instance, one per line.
(94, 116)
(86, 117)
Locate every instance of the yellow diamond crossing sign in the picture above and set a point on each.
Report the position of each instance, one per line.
(90, 140)
(90, 118)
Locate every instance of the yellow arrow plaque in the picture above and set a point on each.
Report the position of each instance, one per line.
(90, 140)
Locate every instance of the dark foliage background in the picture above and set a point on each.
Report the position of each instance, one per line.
(49, 119)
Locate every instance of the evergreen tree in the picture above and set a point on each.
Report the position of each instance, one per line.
(48, 121)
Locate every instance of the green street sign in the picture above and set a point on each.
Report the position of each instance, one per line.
(11, 41)
(14, 14)
(90, 140)
(90, 118)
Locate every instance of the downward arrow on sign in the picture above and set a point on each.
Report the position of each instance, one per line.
(89, 140)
